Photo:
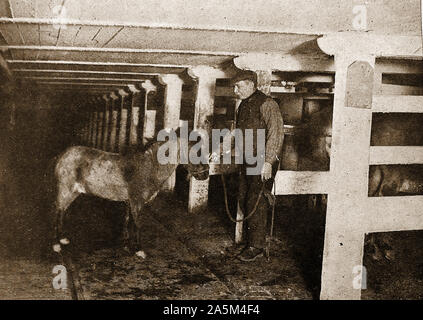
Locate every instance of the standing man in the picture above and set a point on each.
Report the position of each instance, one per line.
(257, 111)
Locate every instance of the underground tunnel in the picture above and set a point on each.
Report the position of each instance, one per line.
(94, 86)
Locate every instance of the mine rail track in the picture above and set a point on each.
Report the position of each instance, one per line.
(201, 258)
(73, 280)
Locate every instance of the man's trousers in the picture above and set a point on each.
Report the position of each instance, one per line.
(250, 187)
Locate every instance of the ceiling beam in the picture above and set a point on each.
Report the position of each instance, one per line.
(77, 73)
(344, 43)
(166, 26)
(95, 66)
(77, 90)
(88, 80)
(119, 50)
(66, 83)
(181, 59)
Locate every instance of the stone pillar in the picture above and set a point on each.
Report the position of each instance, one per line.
(100, 122)
(204, 104)
(135, 114)
(123, 120)
(86, 126)
(107, 100)
(94, 121)
(113, 128)
(91, 120)
(172, 111)
(149, 126)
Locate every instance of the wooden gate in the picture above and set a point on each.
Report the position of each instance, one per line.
(350, 212)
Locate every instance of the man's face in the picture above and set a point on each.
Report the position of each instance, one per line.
(244, 88)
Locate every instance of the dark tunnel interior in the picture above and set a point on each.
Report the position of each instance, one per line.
(39, 128)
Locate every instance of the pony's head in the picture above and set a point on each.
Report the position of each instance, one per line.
(198, 171)
(190, 150)
(199, 158)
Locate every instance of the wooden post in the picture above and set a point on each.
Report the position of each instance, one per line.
(94, 121)
(123, 120)
(172, 111)
(204, 105)
(349, 167)
(86, 126)
(205, 77)
(344, 236)
(149, 126)
(112, 145)
(100, 122)
(107, 100)
(350, 212)
(90, 123)
(135, 114)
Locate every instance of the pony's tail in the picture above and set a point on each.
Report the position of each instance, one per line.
(51, 190)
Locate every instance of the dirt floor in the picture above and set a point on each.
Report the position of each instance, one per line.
(188, 256)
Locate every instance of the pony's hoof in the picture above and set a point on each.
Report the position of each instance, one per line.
(141, 254)
(57, 248)
(64, 241)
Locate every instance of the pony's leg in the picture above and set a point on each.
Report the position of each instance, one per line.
(64, 199)
(126, 221)
(135, 211)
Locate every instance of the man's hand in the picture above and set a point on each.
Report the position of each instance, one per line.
(266, 171)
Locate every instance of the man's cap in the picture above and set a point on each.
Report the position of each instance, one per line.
(245, 75)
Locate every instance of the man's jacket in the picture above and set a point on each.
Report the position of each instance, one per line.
(260, 111)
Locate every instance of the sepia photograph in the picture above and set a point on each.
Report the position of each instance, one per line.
(230, 151)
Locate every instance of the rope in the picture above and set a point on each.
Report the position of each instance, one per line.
(227, 206)
(228, 213)
(269, 240)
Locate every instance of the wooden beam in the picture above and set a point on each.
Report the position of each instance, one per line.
(96, 66)
(87, 79)
(302, 182)
(362, 43)
(394, 89)
(397, 103)
(118, 50)
(396, 155)
(81, 73)
(400, 213)
(285, 62)
(398, 66)
(94, 84)
(116, 55)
